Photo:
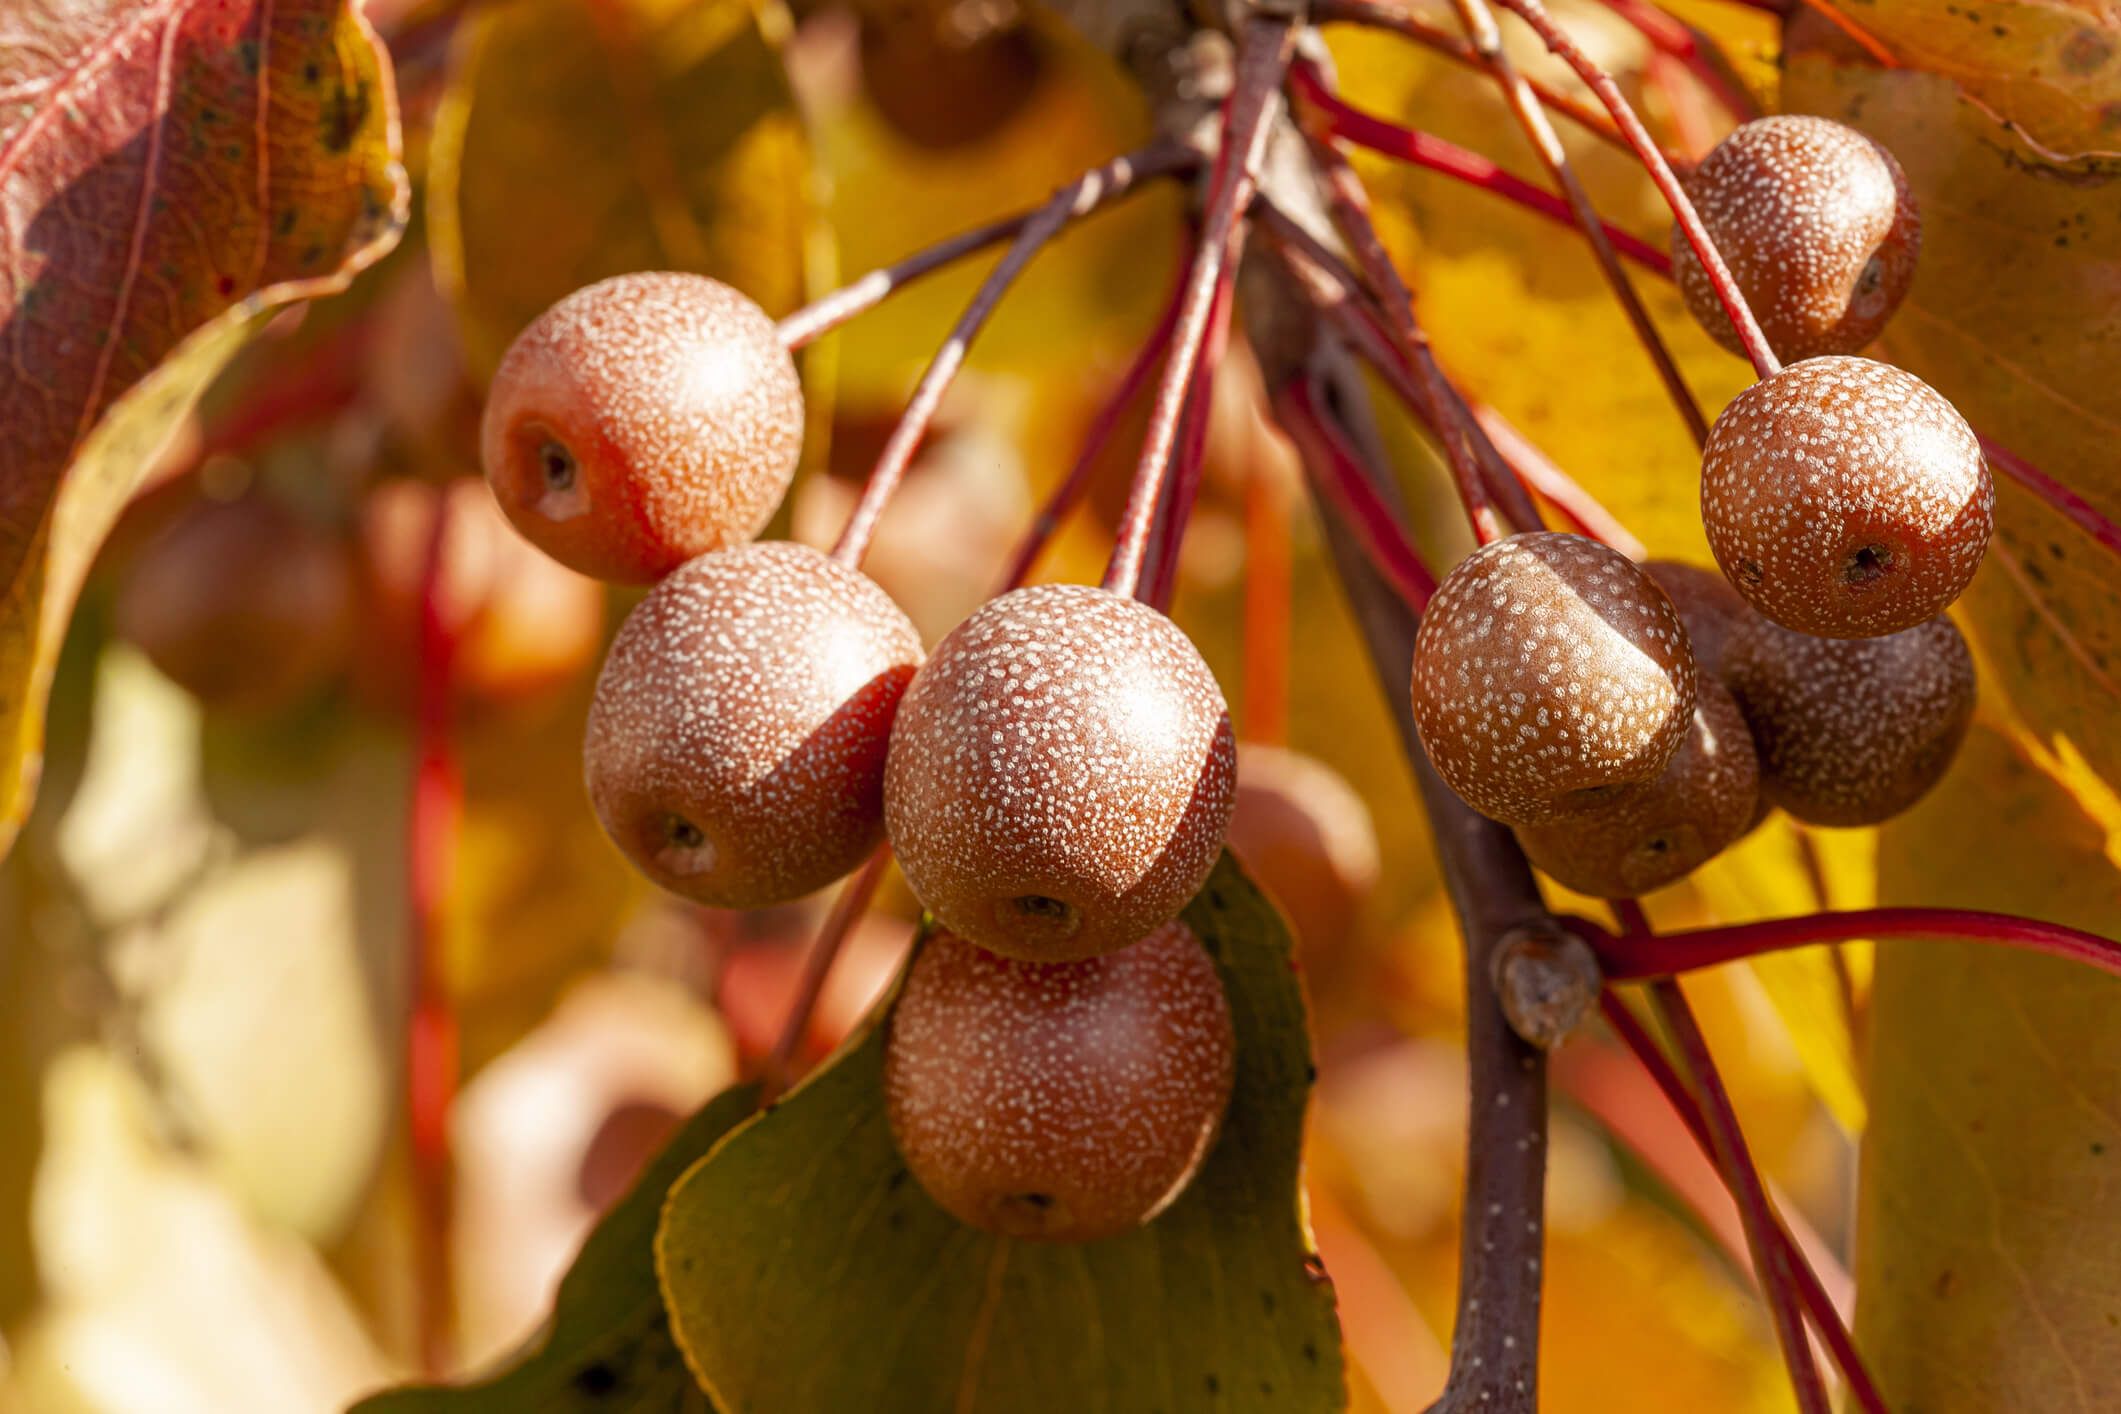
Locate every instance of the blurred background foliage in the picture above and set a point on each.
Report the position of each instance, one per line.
(205, 1184)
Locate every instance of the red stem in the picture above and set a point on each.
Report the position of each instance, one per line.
(1431, 152)
(1072, 487)
(1772, 1260)
(828, 312)
(436, 812)
(1671, 36)
(1161, 568)
(854, 896)
(1341, 479)
(2078, 511)
(1818, 1303)
(1533, 13)
(1632, 956)
(1262, 60)
(1532, 466)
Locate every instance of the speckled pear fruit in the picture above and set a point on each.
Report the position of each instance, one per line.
(641, 421)
(1549, 671)
(735, 749)
(1061, 1102)
(1061, 774)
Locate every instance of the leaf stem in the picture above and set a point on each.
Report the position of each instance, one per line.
(1263, 57)
(1771, 1259)
(1435, 154)
(1634, 956)
(1818, 1304)
(1121, 177)
(778, 1069)
(1480, 27)
(1078, 198)
(1673, 37)
(1533, 13)
(2072, 507)
(1161, 566)
(1340, 480)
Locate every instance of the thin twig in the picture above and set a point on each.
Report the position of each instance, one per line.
(1072, 487)
(1434, 153)
(1160, 569)
(1078, 198)
(1771, 1259)
(1533, 13)
(2067, 503)
(1122, 177)
(779, 1066)
(1818, 1302)
(1377, 14)
(1479, 22)
(1339, 479)
(1634, 957)
(1351, 214)
(1263, 58)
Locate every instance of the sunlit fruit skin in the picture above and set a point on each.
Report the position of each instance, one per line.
(1061, 774)
(1306, 837)
(735, 749)
(1711, 610)
(1852, 731)
(1846, 498)
(1651, 835)
(641, 421)
(1549, 671)
(244, 604)
(1061, 1102)
(1818, 228)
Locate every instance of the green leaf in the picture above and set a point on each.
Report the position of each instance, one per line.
(1987, 1225)
(171, 171)
(807, 1273)
(608, 1347)
(579, 141)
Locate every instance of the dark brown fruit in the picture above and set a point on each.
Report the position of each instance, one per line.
(1852, 731)
(1845, 498)
(642, 421)
(735, 750)
(1818, 228)
(243, 604)
(1711, 610)
(1061, 1102)
(1549, 671)
(1651, 835)
(1061, 774)
(941, 86)
(1304, 836)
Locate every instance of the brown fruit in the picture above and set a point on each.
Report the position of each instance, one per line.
(1061, 774)
(1061, 1102)
(1651, 835)
(735, 750)
(1549, 671)
(940, 87)
(243, 604)
(1852, 731)
(1711, 610)
(1304, 836)
(1818, 228)
(641, 421)
(522, 624)
(1845, 498)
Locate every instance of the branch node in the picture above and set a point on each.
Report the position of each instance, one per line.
(1547, 980)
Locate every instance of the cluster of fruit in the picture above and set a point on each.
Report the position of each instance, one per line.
(1632, 721)
(1055, 780)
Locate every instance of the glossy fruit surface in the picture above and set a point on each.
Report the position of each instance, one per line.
(1061, 774)
(1845, 498)
(1711, 610)
(1852, 731)
(1652, 835)
(1061, 1102)
(1818, 228)
(641, 421)
(244, 604)
(735, 750)
(1549, 671)
(1306, 837)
